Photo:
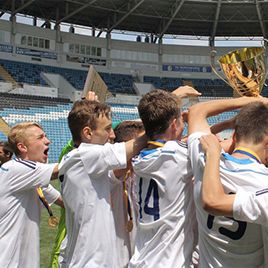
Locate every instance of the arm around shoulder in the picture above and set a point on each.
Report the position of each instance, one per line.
(134, 146)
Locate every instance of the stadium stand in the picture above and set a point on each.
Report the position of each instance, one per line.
(52, 114)
(117, 83)
(31, 74)
(208, 87)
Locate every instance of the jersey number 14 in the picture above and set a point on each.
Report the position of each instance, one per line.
(152, 192)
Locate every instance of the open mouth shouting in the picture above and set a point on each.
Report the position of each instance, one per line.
(46, 153)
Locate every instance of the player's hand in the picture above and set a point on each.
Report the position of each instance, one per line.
(186, 91)
(91, 96)
(210, 144)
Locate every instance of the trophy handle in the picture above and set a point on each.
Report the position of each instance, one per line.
(213, 53)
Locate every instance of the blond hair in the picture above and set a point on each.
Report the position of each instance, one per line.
(18, 134)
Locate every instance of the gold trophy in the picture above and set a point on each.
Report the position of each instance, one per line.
(245, 70)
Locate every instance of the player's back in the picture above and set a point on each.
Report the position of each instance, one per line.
(223, 241)
(166, 221)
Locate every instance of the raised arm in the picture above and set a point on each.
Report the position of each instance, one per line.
(219, 127)
(198, 113)
(214, 199)
(186, 91)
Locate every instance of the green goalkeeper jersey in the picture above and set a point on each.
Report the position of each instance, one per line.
(61, 228)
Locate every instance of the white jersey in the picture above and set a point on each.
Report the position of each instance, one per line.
(20, 212)
(86, 196)
(50, 194)
(251, 206)
(119, 211)
(226, 242)
(166, 221)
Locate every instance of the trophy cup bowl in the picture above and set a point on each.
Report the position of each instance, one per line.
(245, 70)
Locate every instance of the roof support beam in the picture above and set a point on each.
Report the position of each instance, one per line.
(125, 16)
(177, 9)
(216, 20)
(22, 7)
(99, 33)
(75, 11)
(260, 17)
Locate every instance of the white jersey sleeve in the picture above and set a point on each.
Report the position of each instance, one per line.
(51, 194)
(195, 150)
(251, 207)
(104, 158)
(27, 174)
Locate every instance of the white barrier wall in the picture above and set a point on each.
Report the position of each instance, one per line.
(29, 90)
(143, 88)
(65, 89)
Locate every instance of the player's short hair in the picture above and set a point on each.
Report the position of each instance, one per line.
(128, 130)
(18, 133)
(84, 113)
(251, 123)
(6, 148)
(6, 152)
(156, 109)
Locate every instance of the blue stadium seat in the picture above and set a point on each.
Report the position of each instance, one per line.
(31, 74)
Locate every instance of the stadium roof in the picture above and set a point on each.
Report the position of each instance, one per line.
(176, 17)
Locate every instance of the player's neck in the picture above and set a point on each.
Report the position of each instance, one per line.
(247, 150)
(168, 135)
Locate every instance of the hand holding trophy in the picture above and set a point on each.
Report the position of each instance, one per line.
(245, 70)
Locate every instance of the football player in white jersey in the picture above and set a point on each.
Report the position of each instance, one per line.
(19, 203)
(166, 228)
(84, 173)
(123, 198)
(226, 242)
(246, 206)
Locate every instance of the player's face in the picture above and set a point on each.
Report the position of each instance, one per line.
(103, 132)
(36, 145)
